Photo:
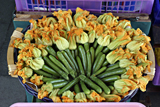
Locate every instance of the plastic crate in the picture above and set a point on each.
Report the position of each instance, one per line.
(133, 104)
(156, 13)
(133, 6)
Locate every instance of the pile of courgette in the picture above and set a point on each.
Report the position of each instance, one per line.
(84, 58)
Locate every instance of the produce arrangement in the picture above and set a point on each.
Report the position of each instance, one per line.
(83, 58)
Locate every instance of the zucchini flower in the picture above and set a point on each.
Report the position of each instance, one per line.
(34, 23)
(24, 44)
(137, 32)
(132, 71)
(142, 82)
(36, 52)
(29, 34)
(91, 17)
(124, 23)
(80, 17)
(43, 50)
(42, 94)
(37, 80)
(119, 41)
(95, 97)
(140, 57)
(80, 97)
(67, 96)
(51, 20)
(115, 55)
(130, 31)
(46, 40)
(92, 36)
(128, 54)
(134, 46)
(82, 38)
(111, 97)
(142, 38)
(104, 40)
(37, 63)
(37, 39)
(61, 43)
(123, 63)
(16, 42)
(99, 30)
(145, 48)
(63, 33)
(124, 85)
(72, 42)
(47, 87)
(54, 96)
(27, 72)
(65, 19)
(108, 19)
(91, 25)
(145, 64)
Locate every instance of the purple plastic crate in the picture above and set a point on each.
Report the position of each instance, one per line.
(130, 6)
(156, 80)
(156, 13)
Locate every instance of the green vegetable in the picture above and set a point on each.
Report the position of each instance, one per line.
(116, 65)
(117, 71)
(111, 87)
(95, 44)
(77, 88)
(98, 50)
(111, 78)
(40, 72)
(92, 54)
(65, 62)
(49, 70)
(76, 52)
(80, 65)
(69, 85)
(99, 71)
(89, 63)
(84, 88)
(105, 63)
(58, 63)
(55, 80)
(58, 70)
(60, 84)
(84, 58)
(72, 59)
(69, 60)
(36, 52)
(106, 50)
(86, 47)
(101, 84)
(90, 83)
(45, 79)
(73, 53)
(51, 50)
(99, 64)
(96, 61)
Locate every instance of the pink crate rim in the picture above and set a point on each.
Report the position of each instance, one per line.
(103, 104)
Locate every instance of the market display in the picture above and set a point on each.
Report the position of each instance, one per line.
(83, 58)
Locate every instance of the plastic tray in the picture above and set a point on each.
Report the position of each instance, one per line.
(77, 105)
(132, 6)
